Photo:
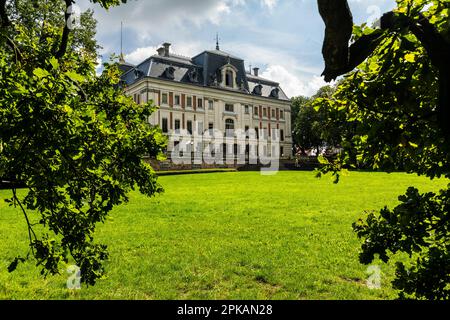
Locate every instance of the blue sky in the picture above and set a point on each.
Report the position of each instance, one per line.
(281, 37)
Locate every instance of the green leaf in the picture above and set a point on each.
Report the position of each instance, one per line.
(40, 73)
(72, 75)
(322, 160)
(20, 89)
(54, 62)
(410, 57)
(373, 66)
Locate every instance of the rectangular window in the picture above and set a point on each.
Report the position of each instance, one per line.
(265, 112)
(229, 107)
(164, 98)
(273, 113)
(189, 102)
(282, 135)
(200, 103)
(177, 100)
(200, 128)
(177, 124)
(210, 128)
(255, 109)
(211, 104)
(281, 151)
(189, 126)
(281, 115)
(247, 109)
(165, 126)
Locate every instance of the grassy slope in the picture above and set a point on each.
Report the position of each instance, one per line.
(227, 236)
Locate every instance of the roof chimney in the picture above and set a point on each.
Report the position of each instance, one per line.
(166, 46)
(256, 71)
(161, 51)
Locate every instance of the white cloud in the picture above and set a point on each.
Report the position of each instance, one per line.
(99, 66)
(269, 3)
(184, 49)
(168, 17)
(261, 55)
(140, 54)
(145, 17)
(295, 78)
(291, 84)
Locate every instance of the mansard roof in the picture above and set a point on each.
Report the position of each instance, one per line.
(204, 70)
(125, 66)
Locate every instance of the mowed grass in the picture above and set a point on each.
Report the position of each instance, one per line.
(226, 236)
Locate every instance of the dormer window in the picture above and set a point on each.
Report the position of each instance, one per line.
(169, 73)
(193, 76)
(137, 73)
(229, 76)
(229, 79)
(275, 93)
(257, 90)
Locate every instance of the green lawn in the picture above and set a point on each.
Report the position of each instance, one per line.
(226, 236)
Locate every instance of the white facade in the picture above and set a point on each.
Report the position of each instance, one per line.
(249, 112)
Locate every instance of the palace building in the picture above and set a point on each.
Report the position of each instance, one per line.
(211, 90)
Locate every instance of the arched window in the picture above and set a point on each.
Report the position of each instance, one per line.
(229, 124)
(229, 128)
(229, 78)
(228, 74)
